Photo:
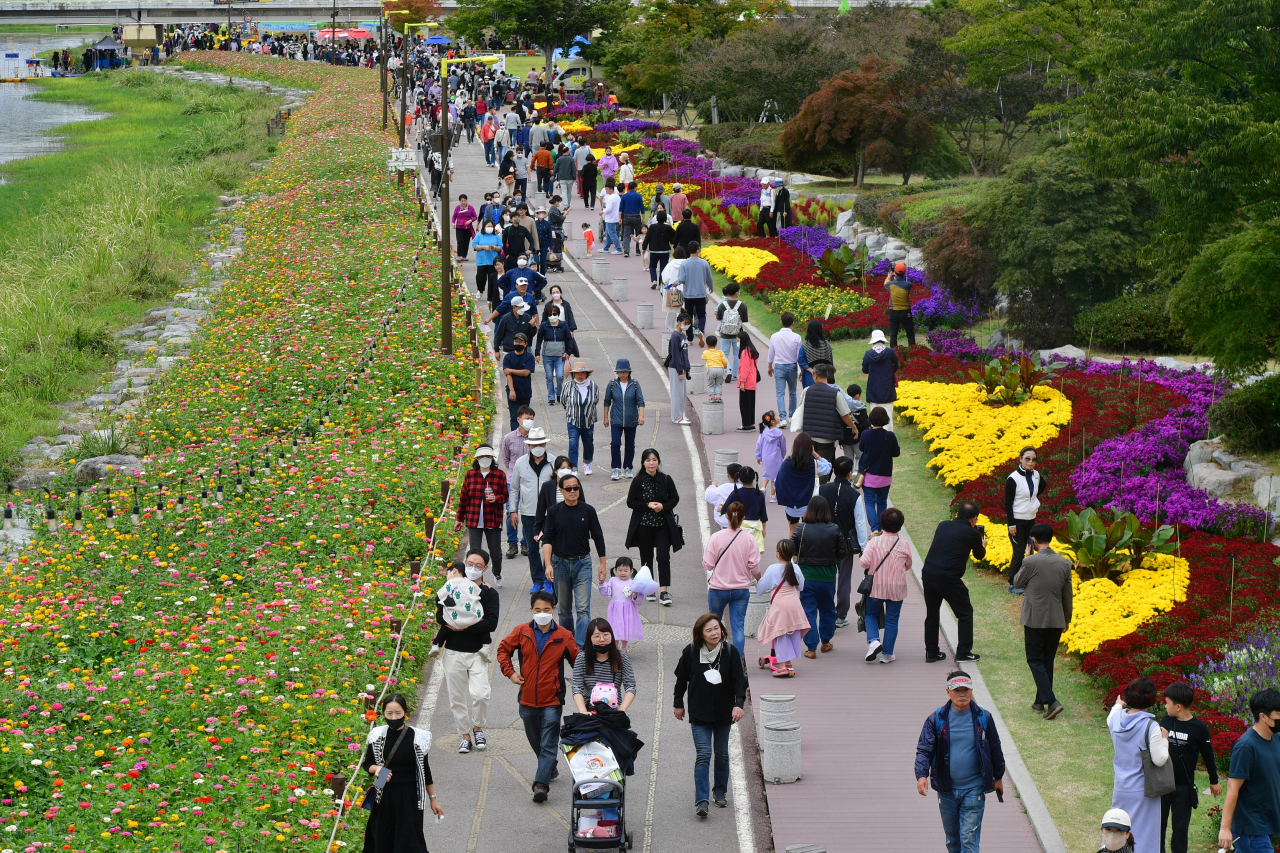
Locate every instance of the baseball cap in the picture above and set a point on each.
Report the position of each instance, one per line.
(1116, 819)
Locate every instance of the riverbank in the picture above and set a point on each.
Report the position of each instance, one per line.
(96, 233)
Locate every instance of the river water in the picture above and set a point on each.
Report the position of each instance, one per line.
(23, 131)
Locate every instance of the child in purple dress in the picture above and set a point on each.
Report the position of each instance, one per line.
(624, 592)
(771, 449)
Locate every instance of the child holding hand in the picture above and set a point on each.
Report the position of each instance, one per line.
(624, 591)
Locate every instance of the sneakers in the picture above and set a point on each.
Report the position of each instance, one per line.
(511, 550)
(934, 657)
(464, 747)
(540, 792)
(555, 771)
(842, 623)
(481, 743)
(702, 808)
(873, 651)
(682, 422)
(628, 473)
(651, 598)
(616, 475)
(664, 599)
(1054, 710)
(745, 429)
(586, 469)
(1013, 590)
(888, 658)
(718, 797)
(969, 656)
(497, 580)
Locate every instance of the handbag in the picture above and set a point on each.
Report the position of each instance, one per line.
(868, 578)
(1157, 780)
(371, 794)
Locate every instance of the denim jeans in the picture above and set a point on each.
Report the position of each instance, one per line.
(707, 739)
(611, 236)
(877, 502)
(962, 818)
(502, 152)
(819, 601)
(588, 436)
(542, 728)
(514, 535)
(887, 611)
(553, 369)
(736, 600)
(621, 456)
(489, 153)
(729, 346)
(573, 581)
(1253, 844)
(537, 571)
(784, 377)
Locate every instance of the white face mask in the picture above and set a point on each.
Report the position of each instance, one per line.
(527, 424)
(543, 619)
(474, 574)
(1114, 839)
(488, 229)
(485, 462)
(553, 320)
(523, 263)
(538, 450)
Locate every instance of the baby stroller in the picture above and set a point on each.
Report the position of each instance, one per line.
(555, 257)
(598, 813)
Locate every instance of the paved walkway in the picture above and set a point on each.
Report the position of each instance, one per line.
(486, 795)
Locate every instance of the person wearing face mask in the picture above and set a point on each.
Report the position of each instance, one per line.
(466, 654)
(520, 321)
(517, 367)
(1116, 837)
(480, 505)
(581, 401)
(528, 474)
(554, 345)
(519, 237)
(398, 815)
(880, 363)
(542, 648)
(710, 671)
(1022, 490)
(548, 496)
(513, 447)
(533, 281)
(566, 310)
(1251, 812)
(487, 245)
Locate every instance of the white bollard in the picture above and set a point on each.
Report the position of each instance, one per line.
(757, 607)
(723, 459)
(713, 417)
(697, 379)
(600, 270)
(644, 315)
(777, 708)
(780, 759)
(619, 290)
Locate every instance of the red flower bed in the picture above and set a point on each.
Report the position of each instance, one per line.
(1216, 610)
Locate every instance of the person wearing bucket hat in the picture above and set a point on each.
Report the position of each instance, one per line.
(580, 402)
(899, 287)
(528, 474)
(480, 503)
(880, 363)
(624, 411)
(1116, 834)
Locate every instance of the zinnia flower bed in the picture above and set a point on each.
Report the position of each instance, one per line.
(818, 302)
(195, 681)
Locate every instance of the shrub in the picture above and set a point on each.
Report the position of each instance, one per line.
(712, 136)
(1041, 317)
(1133, 323)
(1249, 417)
(759, 150)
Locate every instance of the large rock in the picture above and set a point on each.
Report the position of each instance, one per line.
(1048, 356)
(844, 219)
(1200, 452)
(1212, 479)
(97, 468)
(1172, 363)
(1225, 459)
(1266, 493)
(875, 242)
(895, 255)
(1250, 470)
(1000, 339)
(915, 258)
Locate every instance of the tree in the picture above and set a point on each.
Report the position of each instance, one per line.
(549, 24)
(1004, 37)
(401, 13)
(962, 261)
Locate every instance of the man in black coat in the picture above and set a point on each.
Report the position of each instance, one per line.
(943, 574)
(843, 499)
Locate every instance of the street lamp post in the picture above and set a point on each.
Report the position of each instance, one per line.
(333, 34)
(382, 64)
(446, 262)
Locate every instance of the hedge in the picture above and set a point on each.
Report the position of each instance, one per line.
(1135, 323)
(1249, 417)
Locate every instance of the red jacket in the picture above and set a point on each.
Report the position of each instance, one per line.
(472, 497)
(543, 673)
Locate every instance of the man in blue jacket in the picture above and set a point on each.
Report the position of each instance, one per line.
(880, 363)
(631, 206)
(959, 755)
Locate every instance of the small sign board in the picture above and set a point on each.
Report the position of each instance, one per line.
(402, 160)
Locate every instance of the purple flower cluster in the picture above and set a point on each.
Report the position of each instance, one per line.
(813, 240)
(915, 276)
(571, 107)
(627, 126)
(1248, 665)
(940, 310)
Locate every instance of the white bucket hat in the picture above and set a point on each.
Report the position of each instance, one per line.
(877, 337)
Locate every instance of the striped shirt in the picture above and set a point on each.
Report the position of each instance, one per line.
(579, 411)
(624, 679)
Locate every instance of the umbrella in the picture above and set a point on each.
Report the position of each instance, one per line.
(438, 40)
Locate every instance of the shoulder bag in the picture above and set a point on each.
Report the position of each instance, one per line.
(674, 528)
(864, 586)
(1156, 780)
(371, 795)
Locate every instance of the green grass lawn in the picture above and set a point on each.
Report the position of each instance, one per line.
(93, 235)
(51, 29)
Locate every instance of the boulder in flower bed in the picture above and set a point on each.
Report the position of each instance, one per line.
(100, 467)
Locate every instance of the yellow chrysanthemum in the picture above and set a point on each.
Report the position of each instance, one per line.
(740, 263)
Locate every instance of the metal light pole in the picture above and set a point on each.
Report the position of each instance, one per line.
(382, 64)
(333, 34)
(446, 263)
(228, 37)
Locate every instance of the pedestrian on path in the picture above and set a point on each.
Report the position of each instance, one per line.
(716, 494)
(678, 369)
(610, 212)
(697, 285)
(543, 648)
(581, 401)
(755, 517)
(672, 297)
(465, 655)
(480, 503)
(843, 499)
(794, 485)
(1251, 811)
(566, 174)
(1116, 837)
(623, 411)
(1022, 490)
(568, 531)
(710, 670)
(959, 755)
(398, 816)
(942, 577)
(1046, 613)
(783, 358)
(748, 378)
(555, 344)
(820, 546)
(513, 447)
(464, 225)
(783, 628)
(517, 367)
(879, 447)
(887, 560)
(528, 474)
(817, 349)
(487, 245)
(771, 449)
(880, 363)
(566, 310)
(658, 240)
(1134, 730)
(732, 561)
(588, 178)
(631, 209)
(825, 414)
(731, 317)
(625, 591)
(1189, 742)
(603, 670)
(653, 529)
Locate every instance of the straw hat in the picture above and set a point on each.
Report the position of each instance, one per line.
(581, 367)
(537, 435)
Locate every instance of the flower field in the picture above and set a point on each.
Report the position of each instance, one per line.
(1172, 619)
(196, 680)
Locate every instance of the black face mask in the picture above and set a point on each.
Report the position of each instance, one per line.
(396, 725)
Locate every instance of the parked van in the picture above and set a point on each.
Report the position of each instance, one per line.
(575, 74)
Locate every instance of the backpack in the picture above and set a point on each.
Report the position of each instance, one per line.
(731, 322)
(460, 603)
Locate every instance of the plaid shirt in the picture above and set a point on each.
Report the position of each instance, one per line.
(472, 498)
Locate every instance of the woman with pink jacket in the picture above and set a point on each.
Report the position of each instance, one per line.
(732, 558)
(887, 559)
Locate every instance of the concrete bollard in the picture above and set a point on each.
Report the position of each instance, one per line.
(644, 315)
(757, 607)
(600, 270)
(805, 848)
(777, 708)
(713, 417)
(723, 459)
(780, 761)
(619, 290)
(697, 379)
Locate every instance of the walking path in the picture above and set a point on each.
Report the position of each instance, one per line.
(487, 795)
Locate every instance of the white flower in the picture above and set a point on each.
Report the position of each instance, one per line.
(35, 762)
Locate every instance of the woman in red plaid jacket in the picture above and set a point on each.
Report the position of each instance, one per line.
(480, 507)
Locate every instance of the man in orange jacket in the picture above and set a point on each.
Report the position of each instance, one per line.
(544, 647)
